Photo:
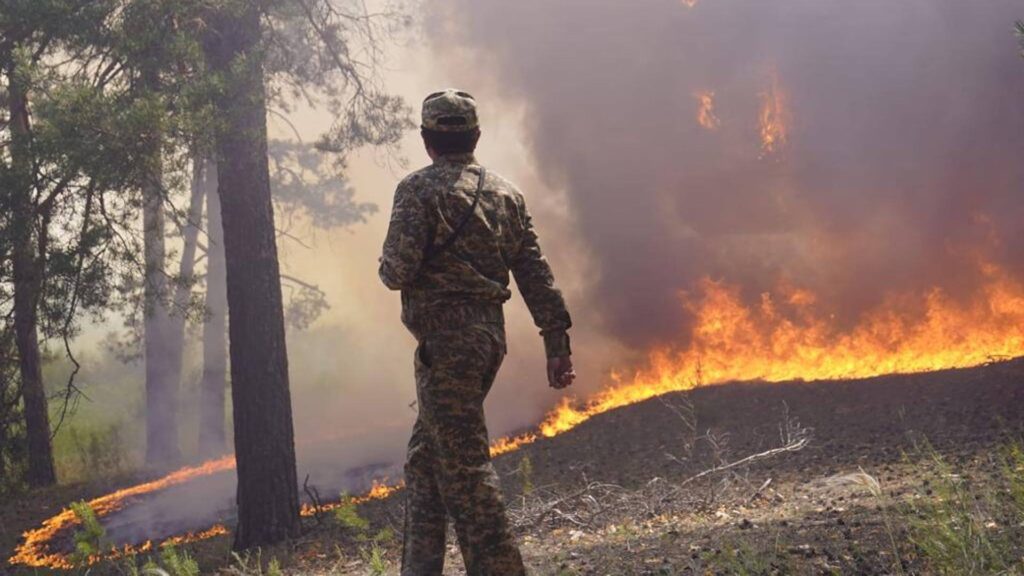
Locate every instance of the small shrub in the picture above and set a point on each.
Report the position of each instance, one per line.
(743, 560)
(374, 558)
(251, 564)
(90, 539)
(526, 475)
(385, 535)
(91, 450)
(178, 563)
(347, 515)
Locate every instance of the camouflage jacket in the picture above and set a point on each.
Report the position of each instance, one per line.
(470, 279)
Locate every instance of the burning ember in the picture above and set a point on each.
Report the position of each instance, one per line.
(785, 336)
(379, 491)
(706, 110)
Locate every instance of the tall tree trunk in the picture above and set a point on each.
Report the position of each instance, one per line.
(268, 499)
(212, 437)
(27, 284)
(162, 442)
(186, 274)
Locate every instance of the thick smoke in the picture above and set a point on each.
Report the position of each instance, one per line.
(900, 167)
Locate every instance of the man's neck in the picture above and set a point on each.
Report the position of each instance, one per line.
(464, 158)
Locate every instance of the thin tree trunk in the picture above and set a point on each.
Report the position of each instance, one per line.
(186, 273)
(212, 436)
(27, 283)
(162, 443)
(268, 499)
(3, 441)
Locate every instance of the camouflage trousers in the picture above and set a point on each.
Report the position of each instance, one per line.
(448, 470)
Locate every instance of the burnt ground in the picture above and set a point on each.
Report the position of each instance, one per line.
(617, 495)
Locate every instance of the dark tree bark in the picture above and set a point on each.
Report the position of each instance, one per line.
(162, 442)
(26, 269)
(212, 437)
(268, 500)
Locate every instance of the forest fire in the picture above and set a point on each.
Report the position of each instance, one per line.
(773, 120)
(706, 110)
(783, 337)
(34, 551)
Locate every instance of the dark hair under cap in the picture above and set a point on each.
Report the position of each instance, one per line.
(462, 142)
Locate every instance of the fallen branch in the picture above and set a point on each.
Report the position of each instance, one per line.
(314, 497)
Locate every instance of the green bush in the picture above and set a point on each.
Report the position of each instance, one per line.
(178, 563)
(85, 451)
(90, 539)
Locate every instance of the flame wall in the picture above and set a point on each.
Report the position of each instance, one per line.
(859, 150)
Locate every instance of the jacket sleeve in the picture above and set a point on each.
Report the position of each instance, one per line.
(537, 285)
(406, 239)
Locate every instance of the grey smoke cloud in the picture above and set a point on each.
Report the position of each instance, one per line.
(902, 159)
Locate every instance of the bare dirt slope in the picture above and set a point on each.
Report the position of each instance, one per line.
(623, 492)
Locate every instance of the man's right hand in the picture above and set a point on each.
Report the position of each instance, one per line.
(560, 372)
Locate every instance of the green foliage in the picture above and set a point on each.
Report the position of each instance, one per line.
(1019, 27)
(967, 529)
(251, 564)
(98, 451)
(526, 475)
(1013, 471)
(347, 515)
(90, 538)
(372, 553)
(742, 560)
(375, 560)
(13, 444)
(178, 563)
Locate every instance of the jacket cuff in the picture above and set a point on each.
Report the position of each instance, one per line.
(556, 344)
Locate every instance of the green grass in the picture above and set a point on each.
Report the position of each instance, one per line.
(967, 528)
(743, 560)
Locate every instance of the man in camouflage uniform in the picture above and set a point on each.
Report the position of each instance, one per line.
(456, 232)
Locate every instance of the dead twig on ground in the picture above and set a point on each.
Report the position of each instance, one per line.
(314, 498)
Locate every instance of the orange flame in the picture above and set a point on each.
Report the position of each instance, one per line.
(706, 110)
(773, 118)
(34, 551)
(731, 341)
(379, 491)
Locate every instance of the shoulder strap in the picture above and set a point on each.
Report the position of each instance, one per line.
(433, 251)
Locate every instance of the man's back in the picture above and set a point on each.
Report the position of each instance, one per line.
(442, 278)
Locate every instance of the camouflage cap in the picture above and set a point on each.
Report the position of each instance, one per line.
(450, 110)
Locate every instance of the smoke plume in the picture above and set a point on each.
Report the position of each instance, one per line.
(859, 149)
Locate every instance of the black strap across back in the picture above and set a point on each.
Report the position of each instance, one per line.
(434, 251)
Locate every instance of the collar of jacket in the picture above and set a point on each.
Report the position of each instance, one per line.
(455, 159)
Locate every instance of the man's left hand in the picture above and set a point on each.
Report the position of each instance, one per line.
(560, 372)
